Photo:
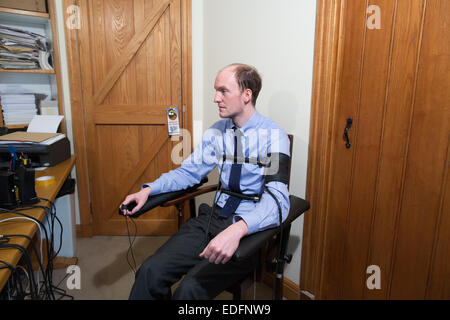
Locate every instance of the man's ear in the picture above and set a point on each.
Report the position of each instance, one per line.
(248, 94)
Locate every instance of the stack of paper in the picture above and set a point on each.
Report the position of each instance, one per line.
(31, 137)
(20, 49)
(18, 108)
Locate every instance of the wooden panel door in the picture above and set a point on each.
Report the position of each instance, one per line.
(131, 71)
(384, 201)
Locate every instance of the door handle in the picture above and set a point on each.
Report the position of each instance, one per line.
(347, 128)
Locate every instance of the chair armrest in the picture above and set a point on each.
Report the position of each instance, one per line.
(250, 244)
(160, 199)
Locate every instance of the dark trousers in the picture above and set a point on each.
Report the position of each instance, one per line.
(179, 256)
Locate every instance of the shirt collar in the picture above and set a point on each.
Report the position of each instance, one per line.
(251, 123)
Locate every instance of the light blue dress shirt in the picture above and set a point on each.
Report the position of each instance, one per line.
(260, 136)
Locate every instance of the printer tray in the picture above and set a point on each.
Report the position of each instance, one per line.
(41, 155)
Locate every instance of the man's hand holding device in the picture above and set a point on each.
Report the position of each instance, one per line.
(134, 202)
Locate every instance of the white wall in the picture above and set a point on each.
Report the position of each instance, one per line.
(277, 37)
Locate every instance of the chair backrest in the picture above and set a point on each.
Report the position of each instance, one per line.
(291, 140)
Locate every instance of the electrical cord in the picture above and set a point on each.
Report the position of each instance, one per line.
(281, 238)
(3, 210)
(54, 217)
(40, 232)
(48, 271)
(14, 281)
(19, 267)
(131, 242)
(24, 218)
(54, 253)
(41, 228)
(51, 214)
(47, 281)
(33, 285)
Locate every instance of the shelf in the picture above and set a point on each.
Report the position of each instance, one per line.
(47, 82)
(25, 13)
(28, 71)
(16, 126)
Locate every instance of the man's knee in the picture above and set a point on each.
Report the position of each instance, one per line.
(149, 281)
(150, 272)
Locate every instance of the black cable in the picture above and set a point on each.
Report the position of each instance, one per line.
(49, 247)
(33, 286)
(51, 217)
(20, 292)
(3, 210)
(61, 291)
(55, 217)
(130, 248)
(53, 253)
(281, 240)
(47, 281)
(52, 212)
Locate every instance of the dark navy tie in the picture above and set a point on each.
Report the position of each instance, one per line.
(235, 177)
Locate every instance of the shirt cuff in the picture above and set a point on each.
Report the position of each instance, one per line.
(154, 186)
(251, 221)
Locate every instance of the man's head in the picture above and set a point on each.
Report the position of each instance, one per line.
(237, 88)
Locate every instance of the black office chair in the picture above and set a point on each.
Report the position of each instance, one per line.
(270, 245)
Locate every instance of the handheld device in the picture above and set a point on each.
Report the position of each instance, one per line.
(130, 206)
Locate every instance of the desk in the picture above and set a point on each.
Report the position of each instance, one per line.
(12, 256)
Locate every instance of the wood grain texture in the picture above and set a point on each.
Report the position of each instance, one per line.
(368, 124)
(385, 200)
(130, 59)
(396, 125)
(427, 162)
(347, 103)
(78, 128)
(118, 44)
(328, 33)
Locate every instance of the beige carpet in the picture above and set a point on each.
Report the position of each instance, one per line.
(106, 275)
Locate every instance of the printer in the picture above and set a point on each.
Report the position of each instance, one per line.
(46, 153)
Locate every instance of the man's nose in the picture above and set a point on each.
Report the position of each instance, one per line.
(217, 97)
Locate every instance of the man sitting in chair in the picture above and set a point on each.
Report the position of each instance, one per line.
(203, 247)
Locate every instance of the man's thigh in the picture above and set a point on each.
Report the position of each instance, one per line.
(182, 249)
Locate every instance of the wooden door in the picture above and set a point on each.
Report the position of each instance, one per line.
(130, 57)
(384, 202)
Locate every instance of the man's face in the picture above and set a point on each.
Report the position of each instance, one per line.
(229, 98)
